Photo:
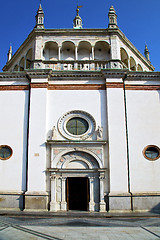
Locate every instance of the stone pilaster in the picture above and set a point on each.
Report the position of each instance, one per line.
(63, 194)
(91, 203)
(53, 204)
(102, 204)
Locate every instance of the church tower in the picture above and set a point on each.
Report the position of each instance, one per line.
(40, 18)
(112, 18)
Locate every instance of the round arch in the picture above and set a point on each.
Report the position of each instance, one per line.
(139, 68)
(124, 57)
(50, 50)
(102, 50)
(15, 68)
(84, 50)
(21, 64)
(84, 157)
(132, 64)
(29, 59)
(68, 50)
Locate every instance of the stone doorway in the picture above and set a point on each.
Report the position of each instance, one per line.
(77, 193)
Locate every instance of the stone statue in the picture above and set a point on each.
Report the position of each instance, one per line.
(54, 133)
(100, 133)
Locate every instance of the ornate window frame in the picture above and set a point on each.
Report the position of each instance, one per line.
(6, 146)
(62, 122)
(151, 146)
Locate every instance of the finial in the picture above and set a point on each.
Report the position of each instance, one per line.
(77, 22)
(112, 18)
(146, 52)
(40, 17)
(9, 53)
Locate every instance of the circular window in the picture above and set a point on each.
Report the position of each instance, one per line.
(76, 125)
(151, 152)
(5, 152)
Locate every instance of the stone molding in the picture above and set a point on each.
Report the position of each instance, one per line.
(142, 87)
(12, 192)
(72, 114)
(14, 87)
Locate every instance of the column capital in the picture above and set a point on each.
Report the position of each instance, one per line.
(102, 176)
(91, 179)
(63, 178)
(53, 176)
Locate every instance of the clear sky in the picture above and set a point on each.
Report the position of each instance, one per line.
(139, 20)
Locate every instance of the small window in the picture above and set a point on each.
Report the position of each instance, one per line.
(151, 152)
(5, 152)
(77, 126)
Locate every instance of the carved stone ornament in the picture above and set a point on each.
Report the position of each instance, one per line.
(76, 114)
(100, 133)
(54, 133)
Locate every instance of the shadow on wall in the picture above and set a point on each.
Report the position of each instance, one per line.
(156, 209)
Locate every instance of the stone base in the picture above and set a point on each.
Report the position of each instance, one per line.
(12, 200)
(63, 206)
(102, 207)
(53, 207)
(36, 200)
(92, 206)
(135, 202)
(146, 202)
(120, 202)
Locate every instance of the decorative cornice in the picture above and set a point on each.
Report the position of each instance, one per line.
(131, 76)
(13, 75)
(142, 87)
(38, 73)
(14, 87)
(143, 76)
(76, 87)
(39, 85)
(114, 85)
(60, 75)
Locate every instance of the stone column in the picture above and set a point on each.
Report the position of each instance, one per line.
(76, 58)
(128, 64)
(25, 62)
(59, 53)
(53, 204)
(76, 53)
(63, 194)
(92, 65)
(91, 187)
(102, 204)
(59, 57)
(92, 52)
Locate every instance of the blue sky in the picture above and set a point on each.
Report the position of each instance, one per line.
(138, 20)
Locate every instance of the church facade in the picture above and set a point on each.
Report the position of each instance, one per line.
(80, 122)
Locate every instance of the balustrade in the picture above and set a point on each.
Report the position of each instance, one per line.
(76, 65)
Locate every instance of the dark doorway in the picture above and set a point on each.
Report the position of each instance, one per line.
(77, 193)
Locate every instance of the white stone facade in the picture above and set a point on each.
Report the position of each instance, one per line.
(81, 121)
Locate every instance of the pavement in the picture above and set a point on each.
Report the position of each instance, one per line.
(17, 225)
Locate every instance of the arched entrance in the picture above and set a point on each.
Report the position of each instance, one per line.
(77, 181)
